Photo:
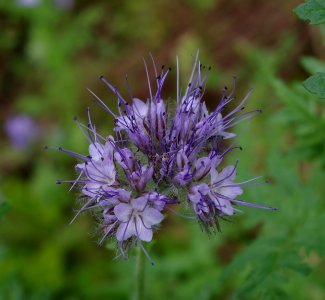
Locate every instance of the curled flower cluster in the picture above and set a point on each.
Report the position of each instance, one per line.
(160, 158)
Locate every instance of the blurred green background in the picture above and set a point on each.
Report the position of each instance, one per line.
(52, 51)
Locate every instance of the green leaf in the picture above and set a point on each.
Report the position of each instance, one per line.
(316, 84)
(312, 64)
(312, 10)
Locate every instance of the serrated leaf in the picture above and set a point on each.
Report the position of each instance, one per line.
(312, 10)
(316, 84)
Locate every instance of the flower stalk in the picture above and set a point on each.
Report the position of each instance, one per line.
(139, 283)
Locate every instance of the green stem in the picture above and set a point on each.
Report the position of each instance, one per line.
(139, 275)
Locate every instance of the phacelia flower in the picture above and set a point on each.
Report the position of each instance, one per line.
(136, 219)
(160, 158)
(22, 131)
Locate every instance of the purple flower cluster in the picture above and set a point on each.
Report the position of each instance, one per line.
(163, 155)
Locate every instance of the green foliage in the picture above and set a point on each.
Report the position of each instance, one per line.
(265, 267)
(312, 10)
(51, 56)
(4, 208)
(308, 116)
(308, 119)
(312, 64)
(302, 111)
(316, 84)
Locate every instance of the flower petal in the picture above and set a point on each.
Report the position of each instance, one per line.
(144, 233)
(125, 231)
(228, 173)
(96, 151)
(123, 212)
(140, 203)
(230, 191)
(151, 216)
(223, 205)
(140, 108)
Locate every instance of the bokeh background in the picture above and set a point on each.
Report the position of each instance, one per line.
(52, 51)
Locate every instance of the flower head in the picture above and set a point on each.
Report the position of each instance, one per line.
(159, 158)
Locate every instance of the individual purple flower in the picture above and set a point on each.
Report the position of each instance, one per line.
(22, 131)
(98, 169)
(201, 168)
(223, 189)
(137, 219)
(161, 157)
(219, 193)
